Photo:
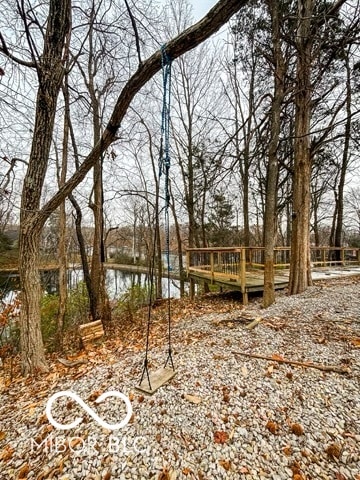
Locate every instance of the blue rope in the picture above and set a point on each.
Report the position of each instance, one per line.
(164, 161)
(164, 168)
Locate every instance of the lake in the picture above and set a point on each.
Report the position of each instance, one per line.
(117, 282)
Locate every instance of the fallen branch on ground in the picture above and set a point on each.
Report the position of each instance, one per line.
(325, 368)
(253, 324)
(71, 363)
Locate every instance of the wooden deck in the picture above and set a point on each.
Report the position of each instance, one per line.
(242, 269)
(254, 281)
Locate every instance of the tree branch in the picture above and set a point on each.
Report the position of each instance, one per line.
(133, 23)
(5, 50)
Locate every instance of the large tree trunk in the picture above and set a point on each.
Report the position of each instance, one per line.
(300, 272)
(98, 274)
(62, 257)
(98, 278)
(31, 343)
(344, 165)
(273, 168)
(50, 74)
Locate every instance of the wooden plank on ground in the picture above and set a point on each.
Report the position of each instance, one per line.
(157, 380)
(91, 331)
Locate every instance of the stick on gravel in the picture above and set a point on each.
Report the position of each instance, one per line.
(325, 368)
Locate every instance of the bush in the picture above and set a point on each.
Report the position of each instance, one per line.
(125, 259)
(354, 241)
(77, 312)
(49, 315)
(133, 299)
(78, 305)
(9, 327)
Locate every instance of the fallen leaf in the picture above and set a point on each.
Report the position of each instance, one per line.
(333, 450)
(340, 476)
(226, 397)
(193, 398)
(226, 464)
(297, 429)
(107, 476)
(287, 450)
(74, 441)
(6, 453)
(220, 437)
(186, 471)
(93, 396)
(244, 470)
(321, 340)
(2, 435)
(275, 356)
(167, 474)
(356, 342)
(272, 427)
(24, 470)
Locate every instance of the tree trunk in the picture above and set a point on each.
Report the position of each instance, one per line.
(62, 226)
(78, 229)
(344, 165)
(50, 72)
(98, 274)
(31, 344)
(83, 254)
(182, 273)
(273, 167)
(300, 272)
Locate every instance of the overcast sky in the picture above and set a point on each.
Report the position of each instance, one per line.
(201, 7)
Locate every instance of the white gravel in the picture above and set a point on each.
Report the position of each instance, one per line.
(243, 426)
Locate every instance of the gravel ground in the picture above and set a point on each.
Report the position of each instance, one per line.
(223, 416)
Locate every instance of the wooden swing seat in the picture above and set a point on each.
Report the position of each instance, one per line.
(157, 380)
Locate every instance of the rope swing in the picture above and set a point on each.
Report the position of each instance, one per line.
(150, 382)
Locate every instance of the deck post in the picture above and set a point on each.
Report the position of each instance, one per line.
(212, 267)
(342, 256)
(191, 288)
(243, 275)
(187, 262)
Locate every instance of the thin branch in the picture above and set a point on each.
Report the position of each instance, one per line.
(133, 23)
(5, 50)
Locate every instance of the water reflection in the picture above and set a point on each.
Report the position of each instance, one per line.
(117, 282)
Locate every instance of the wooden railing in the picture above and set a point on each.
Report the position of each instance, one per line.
(229, 262)
(233, 262)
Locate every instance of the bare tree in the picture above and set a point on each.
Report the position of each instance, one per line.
(279, 92)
